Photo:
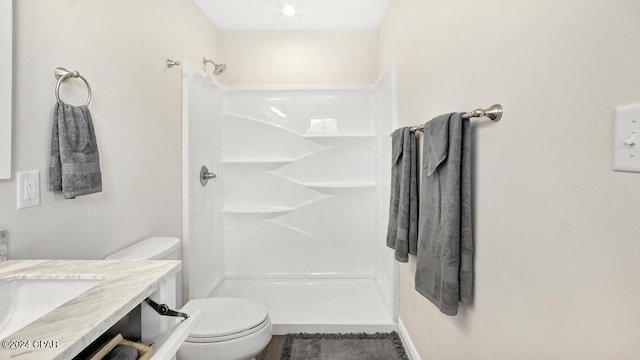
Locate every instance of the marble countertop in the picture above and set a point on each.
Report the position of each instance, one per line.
(124, 284)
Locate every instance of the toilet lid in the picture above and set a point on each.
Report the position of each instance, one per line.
(225, 316)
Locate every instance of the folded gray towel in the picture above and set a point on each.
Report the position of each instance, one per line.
(74, 166)
(402, 231)
(122, 352)
(397, 138)
(444, 269)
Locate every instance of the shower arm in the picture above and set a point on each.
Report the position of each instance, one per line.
(219, 68)
(205, 61)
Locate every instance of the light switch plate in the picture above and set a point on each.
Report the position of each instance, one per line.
(626, 139)
(28, 193)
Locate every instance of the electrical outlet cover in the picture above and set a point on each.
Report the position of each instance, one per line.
(28, 193)
(626, 141)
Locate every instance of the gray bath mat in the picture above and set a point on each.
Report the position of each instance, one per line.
(378, 346)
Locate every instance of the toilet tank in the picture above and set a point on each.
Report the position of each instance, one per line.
(153, 248)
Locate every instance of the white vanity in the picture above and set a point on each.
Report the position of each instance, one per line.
(67, 304)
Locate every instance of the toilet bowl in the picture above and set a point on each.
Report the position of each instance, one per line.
(230, 329)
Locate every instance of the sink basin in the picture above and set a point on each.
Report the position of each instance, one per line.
(23, 301)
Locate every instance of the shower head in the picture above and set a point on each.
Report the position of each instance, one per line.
(219, 68)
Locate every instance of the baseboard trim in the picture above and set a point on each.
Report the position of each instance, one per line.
(411, 350)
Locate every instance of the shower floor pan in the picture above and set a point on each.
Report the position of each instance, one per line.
(316, 305)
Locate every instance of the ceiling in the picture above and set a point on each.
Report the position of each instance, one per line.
(266, 15)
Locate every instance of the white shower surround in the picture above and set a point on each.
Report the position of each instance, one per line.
(304, 184)
(201, 248)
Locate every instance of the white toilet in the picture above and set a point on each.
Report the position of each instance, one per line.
(231, 328)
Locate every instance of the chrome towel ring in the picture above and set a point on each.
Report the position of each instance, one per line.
(63, 74)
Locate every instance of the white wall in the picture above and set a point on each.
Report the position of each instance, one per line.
(293, 58)
(6, 120)
(556, 230)
(120, 47)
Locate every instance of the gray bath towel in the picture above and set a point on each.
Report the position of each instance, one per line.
(444, 269)
(402, 232)
(74, 167)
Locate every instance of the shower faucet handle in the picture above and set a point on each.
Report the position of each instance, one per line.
(205, 176)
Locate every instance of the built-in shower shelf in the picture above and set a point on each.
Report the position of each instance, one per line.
(270, 210)
(338, 185)
(339, 136)
(257, 161)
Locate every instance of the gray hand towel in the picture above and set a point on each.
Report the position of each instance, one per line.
(74, 166)
(444, 269)
(402, 232)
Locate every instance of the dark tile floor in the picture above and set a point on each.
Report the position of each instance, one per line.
(273, 349)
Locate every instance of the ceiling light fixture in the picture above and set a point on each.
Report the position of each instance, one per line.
(289, 10)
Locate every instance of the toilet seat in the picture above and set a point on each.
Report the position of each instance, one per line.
(226, 319)
(266, 323)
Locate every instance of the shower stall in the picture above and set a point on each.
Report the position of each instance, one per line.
(297, 215)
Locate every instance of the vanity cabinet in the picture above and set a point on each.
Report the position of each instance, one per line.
(117, 292)
(143, 324)
(165, 333)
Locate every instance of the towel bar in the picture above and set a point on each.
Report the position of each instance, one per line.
(63, 74)
(493, 112)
